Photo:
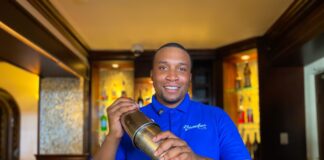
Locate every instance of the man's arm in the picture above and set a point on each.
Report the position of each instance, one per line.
(108, 149)
(110, 145)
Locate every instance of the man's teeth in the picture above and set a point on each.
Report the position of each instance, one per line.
(171, 88)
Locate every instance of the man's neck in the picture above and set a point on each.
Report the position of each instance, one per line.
(170, 105)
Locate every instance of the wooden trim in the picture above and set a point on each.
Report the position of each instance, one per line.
(46, 8)
(111, 55)
(94, 118)
(15, 37)
(146, 55)
(39, 113)
(289, 18)
(27, 26)
(237, 47)
(86, 115)
(299, 24)
(20, 54)
(217, 85)
(62, 157)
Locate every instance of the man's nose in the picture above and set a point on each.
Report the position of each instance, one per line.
(172, 76)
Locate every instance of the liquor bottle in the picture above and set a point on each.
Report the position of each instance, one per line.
(238, 79)
(140, 100)
(241, 113)
(248, 145)
(104, 95)
(256, 148)
(113, 93)
(249, 112)
(123, 92)
(103, 120)
(247, 75)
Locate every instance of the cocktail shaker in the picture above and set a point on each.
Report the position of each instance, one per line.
(141, 130)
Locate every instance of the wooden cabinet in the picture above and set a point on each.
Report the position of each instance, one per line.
(202, 81)
(241, 94)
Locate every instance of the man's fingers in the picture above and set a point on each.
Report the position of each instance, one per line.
(167, 144)
(163, 135)
(182, 156)
(176, 152)
(123, 109)
(113, 109)
(121, 100)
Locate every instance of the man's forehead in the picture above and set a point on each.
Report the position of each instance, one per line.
(173, 61)
(171, 51)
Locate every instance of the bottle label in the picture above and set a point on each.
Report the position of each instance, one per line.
(103, 125)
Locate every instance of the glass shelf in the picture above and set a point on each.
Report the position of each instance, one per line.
(242, 103)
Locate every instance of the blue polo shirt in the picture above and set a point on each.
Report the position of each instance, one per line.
(207, 130)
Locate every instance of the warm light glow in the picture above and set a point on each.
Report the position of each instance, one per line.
(24, 87)
(37, 48)
(245, 57)
(115, 65)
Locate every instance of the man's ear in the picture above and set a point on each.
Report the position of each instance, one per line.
(190, 76)
(151, 74)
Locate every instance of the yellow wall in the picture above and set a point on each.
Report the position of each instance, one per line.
(23, 86)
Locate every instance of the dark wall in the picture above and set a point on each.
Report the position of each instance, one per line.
(320, 111)
(282, 110)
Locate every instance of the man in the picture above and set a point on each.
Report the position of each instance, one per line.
(191, 130)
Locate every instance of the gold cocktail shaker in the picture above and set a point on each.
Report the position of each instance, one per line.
(141, 130)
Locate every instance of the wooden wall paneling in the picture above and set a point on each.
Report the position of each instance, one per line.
(94, 110)
(14, 16)
(320, 112)
(46, 8)
(217, 81)
(281, 109)
(301, 23)
(86, 115)
(304, 54)
(16, 52)
(110, 55)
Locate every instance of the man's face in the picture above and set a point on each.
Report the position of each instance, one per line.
(171, 75)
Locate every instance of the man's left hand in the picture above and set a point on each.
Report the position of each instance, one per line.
(172, 147)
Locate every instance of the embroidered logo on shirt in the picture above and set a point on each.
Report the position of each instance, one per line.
(197, 126)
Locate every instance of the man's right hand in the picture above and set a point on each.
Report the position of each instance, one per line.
(109, 147)
(115, 111)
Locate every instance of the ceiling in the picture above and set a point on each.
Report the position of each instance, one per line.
(204, 24)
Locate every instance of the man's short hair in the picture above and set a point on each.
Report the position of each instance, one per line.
(176, 45)
(172, 44)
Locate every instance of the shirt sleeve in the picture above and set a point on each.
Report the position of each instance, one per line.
(231, 144)
(121, 153)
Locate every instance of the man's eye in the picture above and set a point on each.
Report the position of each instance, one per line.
(183, 69)
(162, 68)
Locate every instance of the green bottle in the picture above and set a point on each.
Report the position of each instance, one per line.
(103, 121)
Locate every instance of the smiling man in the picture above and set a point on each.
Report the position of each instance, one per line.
(191, 130)
(171, 74)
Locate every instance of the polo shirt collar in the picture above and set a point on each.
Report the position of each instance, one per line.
(183, 106)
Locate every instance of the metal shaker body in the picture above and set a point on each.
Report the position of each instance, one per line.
(141, 130)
